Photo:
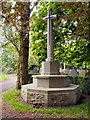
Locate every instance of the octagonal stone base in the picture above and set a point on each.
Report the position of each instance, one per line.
(51, 81)
(51, 96)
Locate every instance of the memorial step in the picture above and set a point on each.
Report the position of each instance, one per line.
(51, 81)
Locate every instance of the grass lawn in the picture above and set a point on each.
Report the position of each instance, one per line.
(78, 111)
(14, 73)
(2, 77)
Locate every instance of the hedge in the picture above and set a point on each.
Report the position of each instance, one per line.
(84, 83)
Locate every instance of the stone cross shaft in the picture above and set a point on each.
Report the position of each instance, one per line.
(49, 18)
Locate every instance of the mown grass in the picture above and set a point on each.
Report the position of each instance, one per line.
(78, 111)
(3, 73)
(2, 77)
(13, 73)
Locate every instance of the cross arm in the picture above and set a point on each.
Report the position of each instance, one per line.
(45, 18)
(53, 17)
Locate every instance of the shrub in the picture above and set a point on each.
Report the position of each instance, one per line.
(8, 70)
(84, 83)
(30, 77)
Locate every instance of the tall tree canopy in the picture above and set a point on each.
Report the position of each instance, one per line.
(64, 36)
(77, 13)
(70, 32)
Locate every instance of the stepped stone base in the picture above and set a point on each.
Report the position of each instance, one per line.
(51, 81)
(51, 96)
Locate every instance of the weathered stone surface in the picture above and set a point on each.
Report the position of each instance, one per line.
(49, 19)
(64, 71)
(51, 96)
(50, 88)
(51, 81)
(35, 70)
(73, 72)
(50, 68)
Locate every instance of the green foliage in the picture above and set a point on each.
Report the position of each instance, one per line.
(16, 18)
(77, 13)
(10, 97)
(9, 70)
(84, 83)
(73, 50)
(39, 29)
(72, 20)
(9, 59)
(10, 44)
(77, 53)
(32, 58)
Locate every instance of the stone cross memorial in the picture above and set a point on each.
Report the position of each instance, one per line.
(50, 88)
(50, 67)
(49, 18)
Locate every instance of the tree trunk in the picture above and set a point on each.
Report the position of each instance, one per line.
(24, 62)
(18, 84)
(24, 42)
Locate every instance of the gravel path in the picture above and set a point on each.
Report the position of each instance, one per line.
(9, 83)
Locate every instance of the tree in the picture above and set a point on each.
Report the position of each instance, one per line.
(77, 53)
(77, 13)
(17, 16)
(9, 60)
(39, 32)
(24, 41)
(11, 39)
(19, 19)
(63, 37)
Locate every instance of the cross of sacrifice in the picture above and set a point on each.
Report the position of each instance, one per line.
(49, 18)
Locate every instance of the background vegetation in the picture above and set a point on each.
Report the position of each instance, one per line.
(68, 48)
(70, 35)
(72, 49)
(84, 83)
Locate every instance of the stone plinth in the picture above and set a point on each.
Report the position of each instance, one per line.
(51, 96)
(51, 81)
(51, 90)
(50, 68)
(50, 87)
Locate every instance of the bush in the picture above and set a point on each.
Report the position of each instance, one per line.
(8, 70)
(84, 83)
(30, 77)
